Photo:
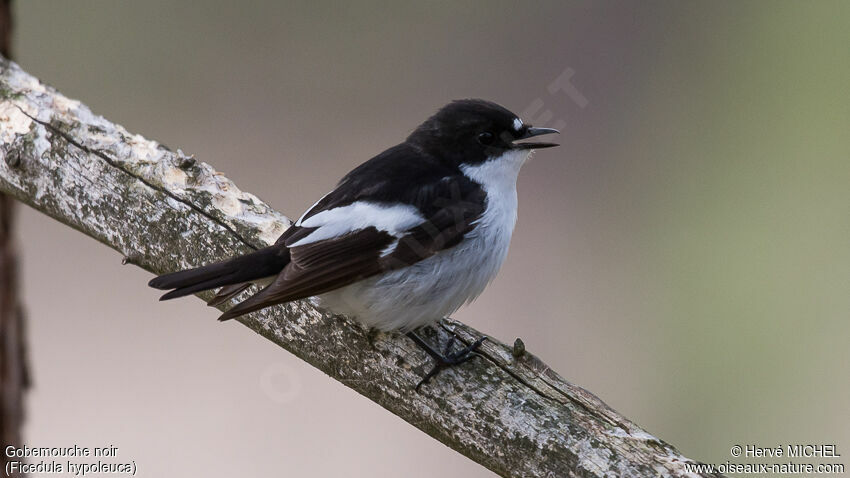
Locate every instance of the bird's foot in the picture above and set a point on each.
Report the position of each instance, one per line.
(447, 358)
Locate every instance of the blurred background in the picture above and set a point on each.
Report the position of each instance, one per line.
(684, 255)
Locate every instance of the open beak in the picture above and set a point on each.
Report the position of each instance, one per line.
(532, 132)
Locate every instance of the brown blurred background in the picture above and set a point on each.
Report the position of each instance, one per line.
(684, 254)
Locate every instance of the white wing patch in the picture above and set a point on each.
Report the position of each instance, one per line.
(335, 222)
(435, 287)
(298, 222)
(390, 249)
(517, 124)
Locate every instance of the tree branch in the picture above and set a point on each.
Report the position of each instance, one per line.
(507, 411)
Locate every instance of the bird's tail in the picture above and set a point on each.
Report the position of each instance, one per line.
(239, 270)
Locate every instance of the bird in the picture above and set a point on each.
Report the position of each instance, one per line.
(403, 240)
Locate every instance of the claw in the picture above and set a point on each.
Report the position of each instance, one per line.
(449, 344)
(447, 358)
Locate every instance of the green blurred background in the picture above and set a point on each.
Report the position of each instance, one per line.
(685, 254)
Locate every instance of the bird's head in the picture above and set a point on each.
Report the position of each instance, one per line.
(474, 131)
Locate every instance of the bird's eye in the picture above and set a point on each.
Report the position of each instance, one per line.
(486, 138)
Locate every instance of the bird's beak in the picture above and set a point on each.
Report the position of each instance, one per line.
(532, 132)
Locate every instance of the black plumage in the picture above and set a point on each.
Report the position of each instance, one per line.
(423, 172)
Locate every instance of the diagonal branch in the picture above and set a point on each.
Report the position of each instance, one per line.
(164, 211)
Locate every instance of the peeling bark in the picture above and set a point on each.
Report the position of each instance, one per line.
(507, 411)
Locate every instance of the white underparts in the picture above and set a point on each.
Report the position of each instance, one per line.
(437, 286)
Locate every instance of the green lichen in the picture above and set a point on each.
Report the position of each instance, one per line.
(65, 127)
(96, 129)
(7, 93)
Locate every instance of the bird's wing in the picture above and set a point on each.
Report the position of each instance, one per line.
(338, 246)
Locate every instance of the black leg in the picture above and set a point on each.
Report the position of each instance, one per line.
(447, 358)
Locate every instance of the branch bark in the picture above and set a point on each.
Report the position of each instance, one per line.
(507, 411)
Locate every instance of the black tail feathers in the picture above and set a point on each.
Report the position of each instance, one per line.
(226, 293)
(256, 265)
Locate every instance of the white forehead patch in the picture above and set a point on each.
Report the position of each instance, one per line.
(517, 124)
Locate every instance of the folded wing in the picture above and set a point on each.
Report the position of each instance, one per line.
(336, 247)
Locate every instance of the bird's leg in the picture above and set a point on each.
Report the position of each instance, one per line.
(447, 358)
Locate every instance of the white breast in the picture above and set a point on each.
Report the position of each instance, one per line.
(437, 286)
